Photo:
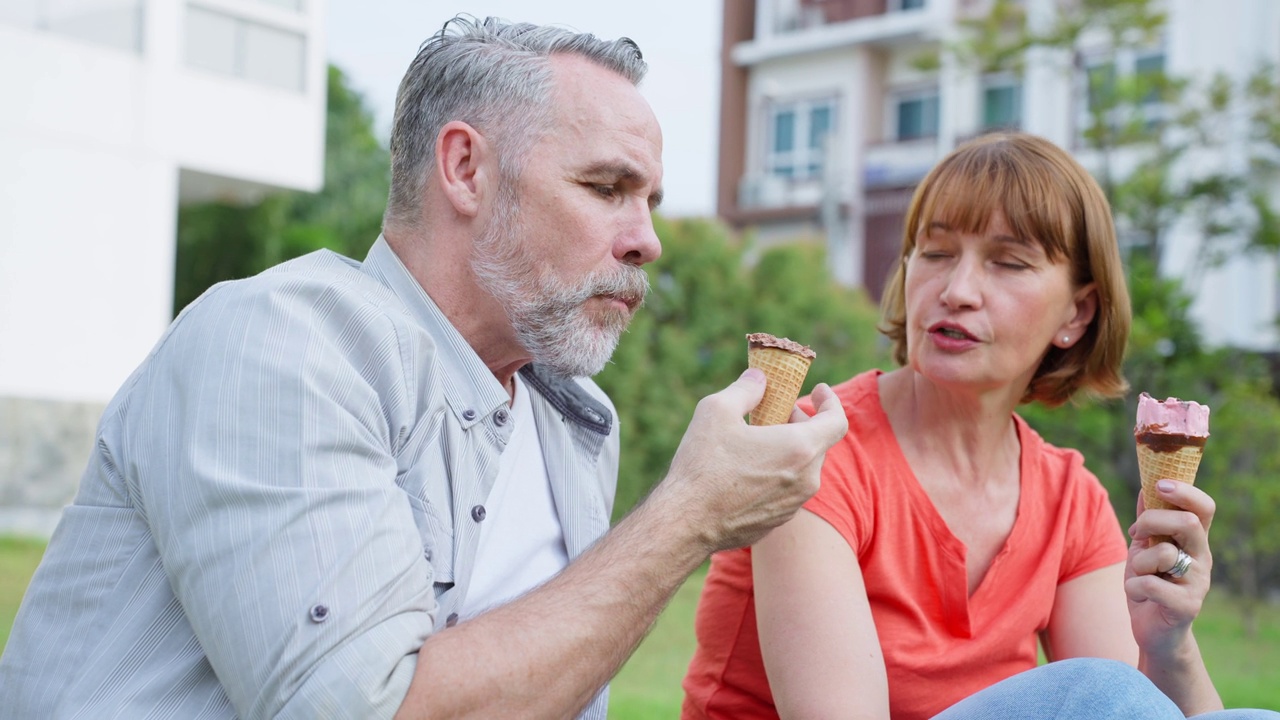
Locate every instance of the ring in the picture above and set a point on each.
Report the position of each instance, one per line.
(1180, 566)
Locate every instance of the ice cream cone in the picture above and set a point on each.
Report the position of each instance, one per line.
(785, 364)
(1170, 439)
(1155, 464)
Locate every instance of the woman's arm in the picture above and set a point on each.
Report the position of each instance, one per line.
(821, 652)
(1135, 613)
(1090, 618)
(1162, 607)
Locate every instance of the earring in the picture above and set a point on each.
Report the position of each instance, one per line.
(1066, 339)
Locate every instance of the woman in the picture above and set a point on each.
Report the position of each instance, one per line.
(948, 536)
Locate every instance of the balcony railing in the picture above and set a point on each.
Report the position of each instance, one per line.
(899, 164)
(789, 16)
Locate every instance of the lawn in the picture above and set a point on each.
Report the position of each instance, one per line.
(1244, 669)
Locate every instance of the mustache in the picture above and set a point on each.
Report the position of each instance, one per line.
(628, 283)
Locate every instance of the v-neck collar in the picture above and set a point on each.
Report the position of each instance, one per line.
(950, 573)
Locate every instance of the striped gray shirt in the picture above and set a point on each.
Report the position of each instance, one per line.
(284, 502)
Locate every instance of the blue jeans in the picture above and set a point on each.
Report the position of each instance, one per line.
(1080, 689)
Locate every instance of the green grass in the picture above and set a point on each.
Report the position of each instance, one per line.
(1244, 669)
(18, 560)
(648, 686)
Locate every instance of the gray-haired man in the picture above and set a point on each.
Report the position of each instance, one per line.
(345, 489)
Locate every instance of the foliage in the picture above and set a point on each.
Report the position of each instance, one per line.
(688, 341)
(222, 241)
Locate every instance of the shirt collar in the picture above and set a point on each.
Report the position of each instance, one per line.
(469, 384)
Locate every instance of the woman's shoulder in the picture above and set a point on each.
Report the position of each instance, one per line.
(858, 394)
(1051, 464)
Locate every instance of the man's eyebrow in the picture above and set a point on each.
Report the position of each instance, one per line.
(617, 170)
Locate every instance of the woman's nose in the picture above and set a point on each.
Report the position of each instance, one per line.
(964, 285)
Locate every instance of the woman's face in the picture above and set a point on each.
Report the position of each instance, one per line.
(984, 308)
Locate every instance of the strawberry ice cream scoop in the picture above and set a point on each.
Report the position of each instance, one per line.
(1172, 417)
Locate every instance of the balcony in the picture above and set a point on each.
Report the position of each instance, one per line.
(899, 164)
(763, 191)
(791, 27)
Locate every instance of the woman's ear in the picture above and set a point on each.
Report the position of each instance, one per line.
(1084, 308)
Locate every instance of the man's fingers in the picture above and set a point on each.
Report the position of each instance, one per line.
(744, 394)
(830, 420)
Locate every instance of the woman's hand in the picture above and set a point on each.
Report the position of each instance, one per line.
(1162, 605)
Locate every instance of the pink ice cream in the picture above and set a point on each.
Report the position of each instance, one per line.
(1172, 417)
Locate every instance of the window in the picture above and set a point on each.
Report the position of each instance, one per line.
(1127, 87)
(1002, 104)
(798, 131)
(1100, 87)
(115, 23)
(917, 115)
(1149, 70)
(242, 48)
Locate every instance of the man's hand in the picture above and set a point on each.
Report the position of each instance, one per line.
(735, 482)
(729, 485)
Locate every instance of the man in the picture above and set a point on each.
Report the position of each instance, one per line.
(346, 489)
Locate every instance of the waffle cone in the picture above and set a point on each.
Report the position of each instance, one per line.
(784, 372)
(1181, 464)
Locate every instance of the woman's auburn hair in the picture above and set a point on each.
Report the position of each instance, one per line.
(1046, 196)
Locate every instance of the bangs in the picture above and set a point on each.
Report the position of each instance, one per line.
(967, 189)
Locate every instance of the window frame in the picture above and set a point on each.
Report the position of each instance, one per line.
(804, 161)
(1002, 81)
(919, 94)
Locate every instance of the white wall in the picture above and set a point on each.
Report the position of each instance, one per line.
(92, 140)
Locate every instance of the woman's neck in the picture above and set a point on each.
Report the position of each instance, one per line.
(971, 434)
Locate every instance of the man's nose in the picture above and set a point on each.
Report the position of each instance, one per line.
(639, 243)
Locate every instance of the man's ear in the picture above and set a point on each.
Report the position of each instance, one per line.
(462, 157)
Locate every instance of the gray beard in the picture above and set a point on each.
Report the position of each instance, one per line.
(550, 317)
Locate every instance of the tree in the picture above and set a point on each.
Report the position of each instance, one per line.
(689, 339)
(222, 241)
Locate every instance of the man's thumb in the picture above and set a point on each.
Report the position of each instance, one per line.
(745, 393)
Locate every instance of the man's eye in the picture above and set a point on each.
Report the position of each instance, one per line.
(605, 190)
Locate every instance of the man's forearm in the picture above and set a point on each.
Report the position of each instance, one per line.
(546, 654)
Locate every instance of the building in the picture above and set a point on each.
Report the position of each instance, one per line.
(827, 122)
(117, 111)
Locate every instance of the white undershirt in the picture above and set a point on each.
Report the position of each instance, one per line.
(521, 541)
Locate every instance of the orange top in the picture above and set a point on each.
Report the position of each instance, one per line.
(939, 644)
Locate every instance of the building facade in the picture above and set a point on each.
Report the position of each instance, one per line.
(117, 111)
(828, 121)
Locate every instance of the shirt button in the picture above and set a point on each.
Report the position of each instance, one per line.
(468, 414)
(595, 416)
(500, 417)
(478, 513)
(319, 613)
(427, 554)
(451, 620)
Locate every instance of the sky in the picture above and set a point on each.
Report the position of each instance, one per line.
(373, 41)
